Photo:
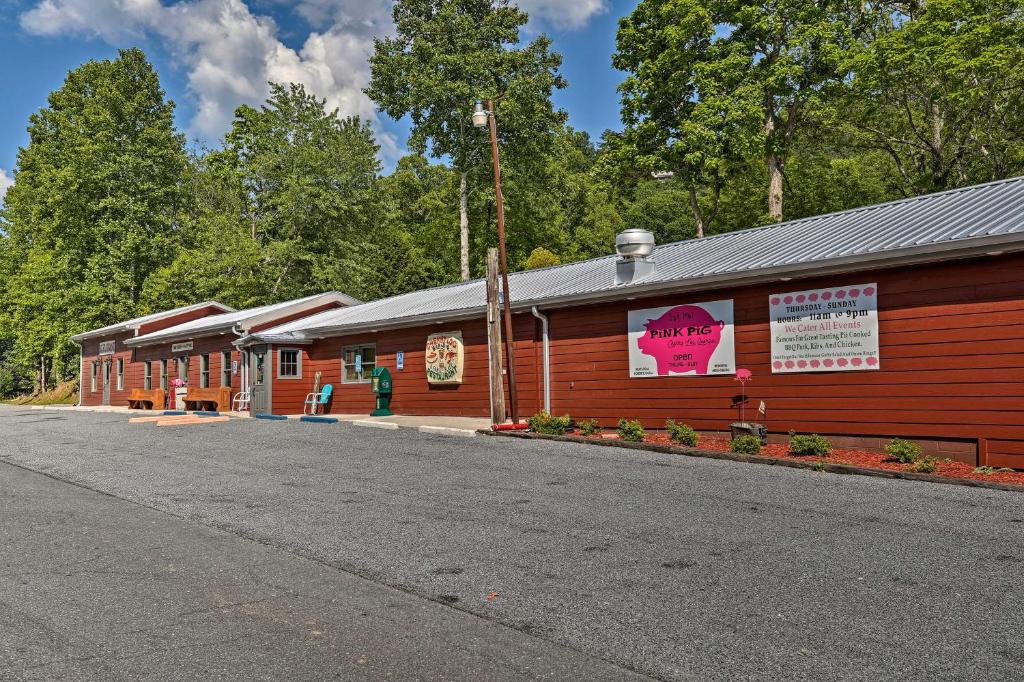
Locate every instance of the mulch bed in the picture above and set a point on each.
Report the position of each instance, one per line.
(856, 458)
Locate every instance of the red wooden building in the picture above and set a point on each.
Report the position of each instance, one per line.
(193, 344)
(901, 319)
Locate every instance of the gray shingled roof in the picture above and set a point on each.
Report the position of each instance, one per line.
(129, 325)
(243, 318)
(952, 224)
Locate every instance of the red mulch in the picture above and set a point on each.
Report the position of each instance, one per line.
(860, 458)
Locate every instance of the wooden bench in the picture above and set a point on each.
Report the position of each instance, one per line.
(141, 399)
(208, 399)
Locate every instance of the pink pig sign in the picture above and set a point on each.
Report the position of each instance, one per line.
(692, 338)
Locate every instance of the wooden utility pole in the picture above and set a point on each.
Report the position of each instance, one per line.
(494, 340)
(507, 303)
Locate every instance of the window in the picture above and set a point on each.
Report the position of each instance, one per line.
(204, 370)
(289, 363)
(357, 363)
(163, 374)
(95, 374)
(225, 368)
(120, 374)
(147, 375)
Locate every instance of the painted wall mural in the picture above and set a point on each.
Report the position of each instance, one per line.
(445, 358)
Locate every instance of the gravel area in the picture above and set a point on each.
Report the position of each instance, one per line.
(670, 566)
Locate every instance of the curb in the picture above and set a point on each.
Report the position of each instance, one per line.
(448, 431)
(375, 425)
(759, 459)
(271, 417)
(318, 420)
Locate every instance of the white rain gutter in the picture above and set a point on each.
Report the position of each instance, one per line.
(547, 357)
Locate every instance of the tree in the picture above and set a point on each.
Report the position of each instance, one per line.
(940, 90)
(708, 77)
(93, 210)
(447, 54)
(541, 258)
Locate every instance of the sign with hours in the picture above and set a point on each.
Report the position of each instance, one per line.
(825, 330)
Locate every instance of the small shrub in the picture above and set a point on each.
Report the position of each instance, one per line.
(988, 471)
(588, 427)
(631, 430)
(810, 445)
(925, 465)
(903, 451)
(681, 433)
(746, 445)
(818, 466)
(542, 422)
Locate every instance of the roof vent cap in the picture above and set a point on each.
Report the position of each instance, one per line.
(634, 243)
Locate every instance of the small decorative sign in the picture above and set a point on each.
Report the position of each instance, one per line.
(234, 366)
(359, 363)
(181, 347)
(825, 330)
(107, 347)
(400, 359)
(444, 357)
(694, 339)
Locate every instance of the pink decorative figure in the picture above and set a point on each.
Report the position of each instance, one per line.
(743, 376)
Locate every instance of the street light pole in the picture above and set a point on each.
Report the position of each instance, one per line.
(478, 121)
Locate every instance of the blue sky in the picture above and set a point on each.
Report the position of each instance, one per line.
(215, 54)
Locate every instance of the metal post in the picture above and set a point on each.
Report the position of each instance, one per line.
(509, 345)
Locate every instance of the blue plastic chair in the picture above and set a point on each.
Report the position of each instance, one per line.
(315, 400)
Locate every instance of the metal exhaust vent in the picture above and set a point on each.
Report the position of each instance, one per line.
(634, 247)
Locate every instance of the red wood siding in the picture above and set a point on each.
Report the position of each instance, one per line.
(90, 353)
(951, 338)
(412, 393)
(213, 345)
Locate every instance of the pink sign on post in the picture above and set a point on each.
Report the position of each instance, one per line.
(693, 338)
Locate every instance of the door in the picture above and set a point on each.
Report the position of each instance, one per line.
(106, 382)
(259, 380)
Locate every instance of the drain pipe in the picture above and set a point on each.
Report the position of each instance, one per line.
(547, 357)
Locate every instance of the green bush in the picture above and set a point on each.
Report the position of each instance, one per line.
(903, 451)
(588, 427)
(542, 422)
(810, 445)
(925, 465)
(746, 445)
(631, 430)
(681, 433)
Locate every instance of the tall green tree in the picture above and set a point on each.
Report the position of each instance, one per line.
(940, 90)
(93, 210)
(708, 77)
(447, 54)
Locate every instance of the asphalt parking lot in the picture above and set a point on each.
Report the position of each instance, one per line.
(624, 561)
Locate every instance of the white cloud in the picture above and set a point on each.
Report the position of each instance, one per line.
(568, 14)
(230, 53)
(5, 181)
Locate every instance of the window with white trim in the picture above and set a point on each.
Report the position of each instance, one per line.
(357, 363)
(163, 374)
(204, 370)
(120, 374)
(289, 363)
(147, 376)
(225, 368)
(95, 374)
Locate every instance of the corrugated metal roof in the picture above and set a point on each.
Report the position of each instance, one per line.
(248, 317)
(952, 222)
(129, 325)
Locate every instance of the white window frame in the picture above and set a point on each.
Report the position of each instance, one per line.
(164, 367)
(94, 379)
(120, 374)
(204, 370)
(225, 368)
(358, 348)
(298, 363)
(147, 375)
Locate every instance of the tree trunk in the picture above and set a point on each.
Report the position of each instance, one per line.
(464, 226)
(698, 216)
(774, 188)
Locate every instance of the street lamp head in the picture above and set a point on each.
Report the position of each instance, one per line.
(479, 115)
